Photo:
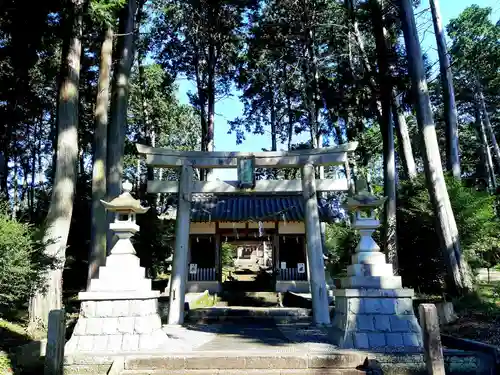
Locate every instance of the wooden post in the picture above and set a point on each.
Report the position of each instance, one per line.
(56, 339)
(180, 262)
(308, 268)
(276, 255)
(218, 276)
(317, 280)
(433, 350)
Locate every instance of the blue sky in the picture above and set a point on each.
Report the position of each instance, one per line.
(230, 108)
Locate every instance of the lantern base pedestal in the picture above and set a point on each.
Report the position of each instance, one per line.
(119, 311)
(379, 320)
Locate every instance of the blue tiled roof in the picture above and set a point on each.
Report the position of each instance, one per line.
(258, 208)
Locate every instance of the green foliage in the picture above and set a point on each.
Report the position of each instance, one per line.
(228, 253)
(105, 10)
(22, 262)
(421, 263)
(340, 241)
(475, 46)
(5, 364)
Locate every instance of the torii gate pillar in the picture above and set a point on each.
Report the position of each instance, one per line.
(321, 314)
(178, 276)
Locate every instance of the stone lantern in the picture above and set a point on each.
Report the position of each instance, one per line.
(364, 206)
(125, 208)
(119, 310)
(372, 310)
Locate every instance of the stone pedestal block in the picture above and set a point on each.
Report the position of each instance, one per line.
(119, 312)
(114, 321)
(376, 319)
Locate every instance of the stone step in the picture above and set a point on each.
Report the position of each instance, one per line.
(98, 285)
(368, 258)
(109, 274)
(372, 282)
(235, 313)
(239, 362)
(252, 311)
(323, 371)
(125, 261)
(370, 270)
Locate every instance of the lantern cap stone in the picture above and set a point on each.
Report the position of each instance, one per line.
(363, 199)
(125, 202)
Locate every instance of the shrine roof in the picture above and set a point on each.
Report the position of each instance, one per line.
(223, 208)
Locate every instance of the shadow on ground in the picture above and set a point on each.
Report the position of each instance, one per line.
(15, 343)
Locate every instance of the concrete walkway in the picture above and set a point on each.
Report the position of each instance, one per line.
(256, 336)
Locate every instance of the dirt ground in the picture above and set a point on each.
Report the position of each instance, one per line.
(476, 326)
(479, 316)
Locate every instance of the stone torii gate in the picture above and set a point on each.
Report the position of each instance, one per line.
(246, 164)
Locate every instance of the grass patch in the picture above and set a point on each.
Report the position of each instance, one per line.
(484, 300)
(207, 300)
(12, 335)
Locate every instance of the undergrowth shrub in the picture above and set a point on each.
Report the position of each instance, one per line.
(22, 262)
(340, 241)
(420, 257)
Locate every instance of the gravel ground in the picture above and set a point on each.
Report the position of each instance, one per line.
(476, 326)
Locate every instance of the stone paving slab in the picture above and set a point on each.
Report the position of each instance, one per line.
(186, 338)
(245, 336)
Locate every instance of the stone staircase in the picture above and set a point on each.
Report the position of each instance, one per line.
(238, 363)
(244, 314)
(249, 298)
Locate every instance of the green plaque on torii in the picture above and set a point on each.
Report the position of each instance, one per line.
(246, 172)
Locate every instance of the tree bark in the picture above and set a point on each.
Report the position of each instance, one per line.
(209, 133)
(450, 108)
(487, 124)
(386, 127)
(97, 256)
(313, 99)
(119, 103)
(445, 221)
(274, 143)
(404, 142)
(61, 205)
(486, 149)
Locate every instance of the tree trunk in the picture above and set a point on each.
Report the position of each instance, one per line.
(61, 205)
(290, 120)
(97, 256)
(117, 128)
(274, 143)
(313, 99)
(148, 127)
(492, 182)
(311, 78)
(404, 142)
(209, 140)
(15, 188)
(487, 124)
(450, 108)
(445, 221)
(386, 126)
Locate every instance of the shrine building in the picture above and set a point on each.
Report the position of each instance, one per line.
(267, 231)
